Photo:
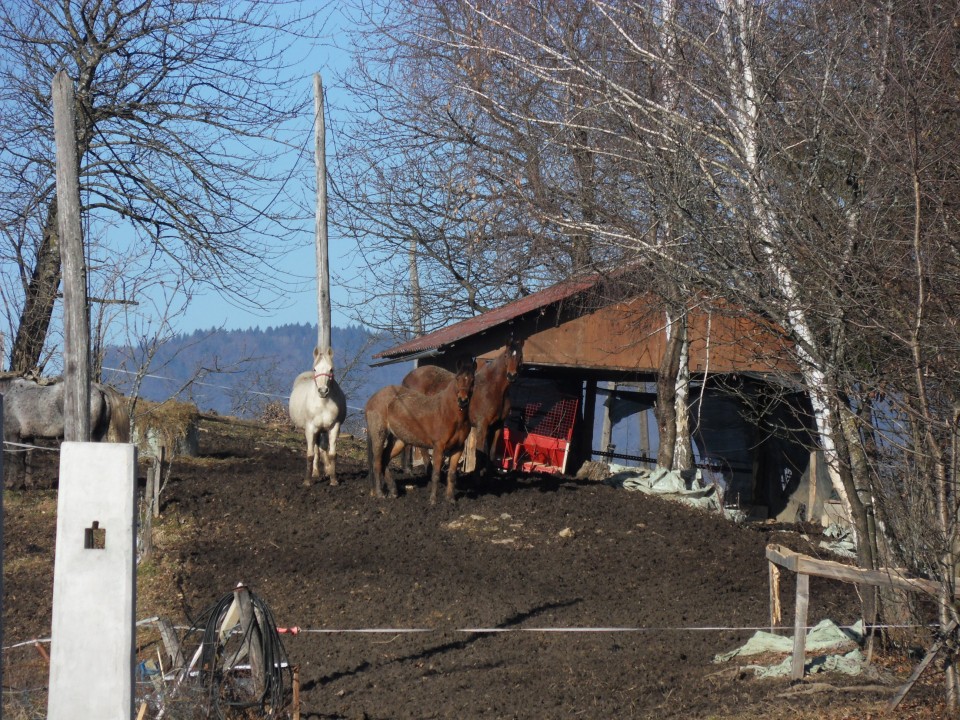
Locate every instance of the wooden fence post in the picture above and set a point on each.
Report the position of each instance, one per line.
(800, 626)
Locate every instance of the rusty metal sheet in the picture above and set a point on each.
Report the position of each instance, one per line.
(631, 336)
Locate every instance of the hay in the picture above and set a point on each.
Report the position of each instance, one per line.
(170, 426)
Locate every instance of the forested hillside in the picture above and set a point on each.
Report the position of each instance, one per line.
(237, 372)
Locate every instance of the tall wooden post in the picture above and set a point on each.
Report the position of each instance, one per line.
(323, 268)
(606, 430)
(644, 430)
(76, 332)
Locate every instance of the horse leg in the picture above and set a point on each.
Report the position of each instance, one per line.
(318, 461)
(16, 470)
(311, 454)
(382, 467)
(395, 449)
(380, 444)
(452, 476)
(495, 437)
(434, 477)
(426, 460)
(482, 452)
(330, 460)
(375, 459)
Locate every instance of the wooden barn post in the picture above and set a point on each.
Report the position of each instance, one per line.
(76, 352)
(323, 268)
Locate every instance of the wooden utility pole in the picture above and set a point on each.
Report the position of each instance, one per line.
(76, 331)
(323, 268)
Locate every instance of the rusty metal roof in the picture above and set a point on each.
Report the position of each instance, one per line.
(425, 344)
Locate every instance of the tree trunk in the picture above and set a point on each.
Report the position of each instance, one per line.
(666, 410)
(854, 474)
(683, 450)
(41, 295)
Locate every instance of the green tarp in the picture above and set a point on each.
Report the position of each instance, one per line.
(826, 635)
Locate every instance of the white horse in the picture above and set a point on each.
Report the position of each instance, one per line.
(318, 406)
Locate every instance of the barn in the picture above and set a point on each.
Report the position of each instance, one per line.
(591, 352)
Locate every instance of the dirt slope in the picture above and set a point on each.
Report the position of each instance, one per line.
(560, 563)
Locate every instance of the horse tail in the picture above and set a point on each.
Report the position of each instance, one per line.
(118, 429)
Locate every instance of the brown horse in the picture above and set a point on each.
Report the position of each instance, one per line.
(398, 416)
(490, 404)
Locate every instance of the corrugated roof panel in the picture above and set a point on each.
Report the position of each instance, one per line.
(473, 326)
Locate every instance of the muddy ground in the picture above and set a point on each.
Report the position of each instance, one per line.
(530, 597)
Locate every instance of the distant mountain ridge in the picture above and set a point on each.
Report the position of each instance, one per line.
(238, 372)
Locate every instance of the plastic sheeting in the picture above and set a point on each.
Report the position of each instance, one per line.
(826, 635)
(842, 542)
(673, 485)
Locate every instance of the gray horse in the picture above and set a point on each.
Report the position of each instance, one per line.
(32, 410)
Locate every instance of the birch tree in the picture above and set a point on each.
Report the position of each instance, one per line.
(758, 152)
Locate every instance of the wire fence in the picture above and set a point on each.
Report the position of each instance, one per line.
(26, 663)
(239, 399)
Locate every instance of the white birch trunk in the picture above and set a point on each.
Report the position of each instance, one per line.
(746, 111)
(683, 444)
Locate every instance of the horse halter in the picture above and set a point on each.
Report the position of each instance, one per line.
(322, 391)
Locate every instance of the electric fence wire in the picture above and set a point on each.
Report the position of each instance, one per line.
(221, 649)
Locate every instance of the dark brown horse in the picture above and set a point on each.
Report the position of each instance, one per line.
(398, 416)
(490, 403)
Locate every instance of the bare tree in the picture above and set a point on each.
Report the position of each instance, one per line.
(796, 159)
(444, 159)
(183, 112)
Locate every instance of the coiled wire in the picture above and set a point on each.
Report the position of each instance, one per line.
(230, 686)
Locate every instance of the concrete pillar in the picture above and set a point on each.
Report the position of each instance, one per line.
(93, 652)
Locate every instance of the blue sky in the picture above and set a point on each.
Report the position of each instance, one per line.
(300, 305)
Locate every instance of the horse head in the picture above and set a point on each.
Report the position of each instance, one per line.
(464, 382)
(514, 358)
(323, 371)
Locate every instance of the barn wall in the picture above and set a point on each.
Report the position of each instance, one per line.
(630, 337)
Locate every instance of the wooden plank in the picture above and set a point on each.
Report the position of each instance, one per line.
(171, 643)
(885, 577)
(849, 573)
(800, 626)
(784, 557)
(806, 566)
